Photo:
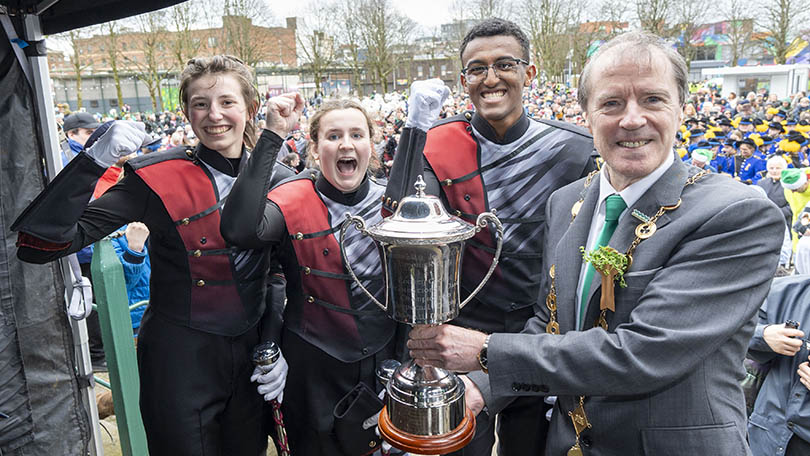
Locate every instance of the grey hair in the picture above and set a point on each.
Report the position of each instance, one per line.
(633, 42)
(777, 159)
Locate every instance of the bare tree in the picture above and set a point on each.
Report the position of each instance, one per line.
(485, 9)
(688, 15)
(78, 64)
(547, 23)
(615, 13)
(739, 29)
(581, 34)
(111, 31)
(385, 37)
(238, 37)
(652, 15)
(351, 31)
(779, 19)
(151, 62)
(316, 38)
(184, 45)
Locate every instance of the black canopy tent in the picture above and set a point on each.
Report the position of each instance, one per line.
(44, 407)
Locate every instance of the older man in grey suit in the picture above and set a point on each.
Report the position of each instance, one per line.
(652, 367)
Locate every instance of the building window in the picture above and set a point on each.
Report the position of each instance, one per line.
(114, 102)
(444, 70)
(705, 53)
(419, 71)
(123, 45)
(212, 41)
(94, 103)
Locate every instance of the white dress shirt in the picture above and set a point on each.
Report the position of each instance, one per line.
(630, 195)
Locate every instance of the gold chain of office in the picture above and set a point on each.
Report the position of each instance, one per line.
(643, 231)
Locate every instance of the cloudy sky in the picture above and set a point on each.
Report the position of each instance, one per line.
(427, 13)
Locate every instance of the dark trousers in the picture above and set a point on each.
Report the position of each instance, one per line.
(522, 429)
(315, 384)
(797, 447)
(196, 394)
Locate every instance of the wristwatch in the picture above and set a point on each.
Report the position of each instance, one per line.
(482, 355)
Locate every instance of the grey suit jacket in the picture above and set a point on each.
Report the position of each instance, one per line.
(664, 379)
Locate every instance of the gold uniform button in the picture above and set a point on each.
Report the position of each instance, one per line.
(201, 283)
(448, 182)
(394, 205)
(458, 213)
(185, 221)
(307, 270)
(372, 444)
(388, 201)
(310, 299)
(197, 253)
(299, 236)
(190, 153)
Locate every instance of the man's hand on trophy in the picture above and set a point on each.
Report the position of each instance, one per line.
(472, 396)
(282, 113)
(116, 139)
(425, 103)
(446, 346)
(271, 382)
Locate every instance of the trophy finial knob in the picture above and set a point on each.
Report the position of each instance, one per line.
(420, 186)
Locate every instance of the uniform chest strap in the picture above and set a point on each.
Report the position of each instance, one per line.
(210, 210)
(498, 162)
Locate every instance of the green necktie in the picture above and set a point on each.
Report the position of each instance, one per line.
(614, 206)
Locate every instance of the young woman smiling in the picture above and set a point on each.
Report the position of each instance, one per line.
(207, 298)
(332, 336)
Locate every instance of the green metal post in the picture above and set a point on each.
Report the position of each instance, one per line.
(110, 294)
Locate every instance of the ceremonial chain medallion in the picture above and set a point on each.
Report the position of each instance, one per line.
(643, 231)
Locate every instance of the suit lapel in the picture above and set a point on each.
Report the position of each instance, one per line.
(569, 258)
(666, 191)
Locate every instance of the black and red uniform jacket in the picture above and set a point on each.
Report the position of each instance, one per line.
(198, 280)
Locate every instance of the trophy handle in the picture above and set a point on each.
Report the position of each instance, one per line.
(360, 224)
(481, 222)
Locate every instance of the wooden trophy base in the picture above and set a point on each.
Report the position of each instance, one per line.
(454, 440)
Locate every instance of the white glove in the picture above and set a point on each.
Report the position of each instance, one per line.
(425, 103)
(271, 382)
(122, 138)
(81, 301)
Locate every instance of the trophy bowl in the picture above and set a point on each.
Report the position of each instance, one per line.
(421, 248)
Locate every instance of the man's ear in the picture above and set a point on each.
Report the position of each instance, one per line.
(464, 84)
(531, 72)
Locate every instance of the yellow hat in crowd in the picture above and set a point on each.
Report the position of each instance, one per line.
(789, 146)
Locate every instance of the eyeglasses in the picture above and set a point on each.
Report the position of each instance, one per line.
(502, 68)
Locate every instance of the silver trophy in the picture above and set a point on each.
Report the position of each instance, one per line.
(421, 249)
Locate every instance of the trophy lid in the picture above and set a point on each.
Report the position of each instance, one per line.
(421, 219)
(425, 387)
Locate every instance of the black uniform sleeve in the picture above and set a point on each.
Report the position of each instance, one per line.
(249, 220)
(408, 163)
(60, 221)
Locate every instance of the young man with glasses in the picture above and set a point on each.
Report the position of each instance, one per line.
(495, 157)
